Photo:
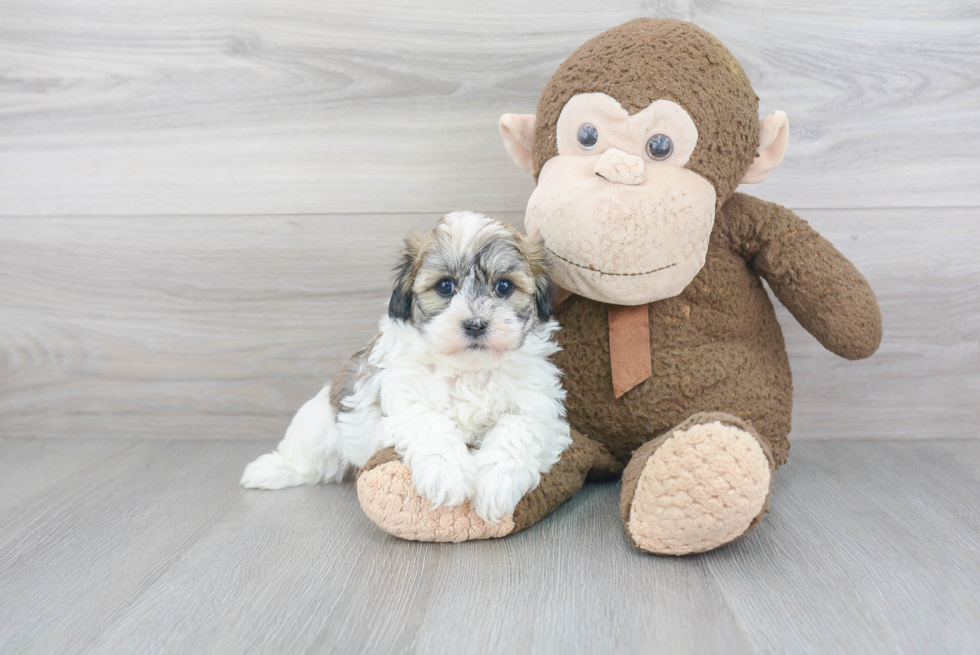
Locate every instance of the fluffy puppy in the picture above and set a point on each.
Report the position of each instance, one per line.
(459, 379)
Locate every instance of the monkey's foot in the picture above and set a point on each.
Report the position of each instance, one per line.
(388, 497)
(699, 486)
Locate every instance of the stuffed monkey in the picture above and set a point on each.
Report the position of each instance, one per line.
(675, 366)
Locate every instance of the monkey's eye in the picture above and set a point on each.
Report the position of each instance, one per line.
(588, 136)
(504, 288)
(445, 287)
(659, 147)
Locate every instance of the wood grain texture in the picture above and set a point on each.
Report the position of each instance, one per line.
(251, 107)
(200, 204)
(924, 381)
(221, 327)
(148, 546)
(866, 534)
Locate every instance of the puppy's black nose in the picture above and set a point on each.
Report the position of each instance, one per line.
(474, 327)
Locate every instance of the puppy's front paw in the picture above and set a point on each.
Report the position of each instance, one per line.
(499, 487)
(444, 480)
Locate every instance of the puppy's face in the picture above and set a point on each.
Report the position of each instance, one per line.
(471, 284)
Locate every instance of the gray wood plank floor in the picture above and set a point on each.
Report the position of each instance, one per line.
(149, 546)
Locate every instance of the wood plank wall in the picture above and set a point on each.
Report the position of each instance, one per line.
(201, 200)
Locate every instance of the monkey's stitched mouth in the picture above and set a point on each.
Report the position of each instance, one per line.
(595, 270)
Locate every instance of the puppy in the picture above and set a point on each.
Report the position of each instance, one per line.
(459, 379)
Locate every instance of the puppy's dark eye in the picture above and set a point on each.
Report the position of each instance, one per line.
(504, 288)
(659, 147)
(588, 136)
(445, 287)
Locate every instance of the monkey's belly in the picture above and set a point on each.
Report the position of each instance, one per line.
(695, 368)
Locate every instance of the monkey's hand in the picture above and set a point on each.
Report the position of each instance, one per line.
(813, 280)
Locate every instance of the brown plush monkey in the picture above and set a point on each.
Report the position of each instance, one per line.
(675, 366)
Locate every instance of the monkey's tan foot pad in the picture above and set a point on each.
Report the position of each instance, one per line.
(701, 485)
(388, 497)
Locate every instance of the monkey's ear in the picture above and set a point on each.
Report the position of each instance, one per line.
(518, 133)
(400, 305)
(773, 140)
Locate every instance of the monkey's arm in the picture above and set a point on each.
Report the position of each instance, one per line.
(817, 284)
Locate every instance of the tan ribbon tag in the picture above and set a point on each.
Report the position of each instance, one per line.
(629, 346)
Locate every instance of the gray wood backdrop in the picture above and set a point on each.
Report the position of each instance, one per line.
(201, 200)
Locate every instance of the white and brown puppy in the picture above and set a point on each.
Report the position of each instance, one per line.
(459, 379)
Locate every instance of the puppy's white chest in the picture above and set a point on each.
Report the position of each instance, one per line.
(476, 402)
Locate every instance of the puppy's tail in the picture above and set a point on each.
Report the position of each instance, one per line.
(309, 453)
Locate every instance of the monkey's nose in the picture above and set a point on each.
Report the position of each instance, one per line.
(620, 167)
(474, 327)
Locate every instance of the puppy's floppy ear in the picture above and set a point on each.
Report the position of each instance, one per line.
(400, 305)
(537, 258)
(543, 292)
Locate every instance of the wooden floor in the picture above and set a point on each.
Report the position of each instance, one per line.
(149, 546)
